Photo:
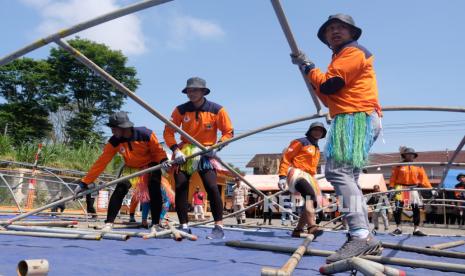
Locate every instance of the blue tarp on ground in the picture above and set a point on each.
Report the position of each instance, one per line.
(203, 257)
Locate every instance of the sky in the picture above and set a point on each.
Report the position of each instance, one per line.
(240, 49)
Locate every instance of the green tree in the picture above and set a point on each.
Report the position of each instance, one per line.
(30, 92)
(91, 97)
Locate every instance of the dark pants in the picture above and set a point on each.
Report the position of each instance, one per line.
(182, 190)
(90, 204)
(61, 207)
(268, 215)
(398, 213)
(122, 189)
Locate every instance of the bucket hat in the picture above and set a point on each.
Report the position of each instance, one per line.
(344, 18)
(196, 82)
(119, 119)
(407, 151)
(314, 125)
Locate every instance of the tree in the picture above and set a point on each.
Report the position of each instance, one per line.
(30, 92)
(91, 97)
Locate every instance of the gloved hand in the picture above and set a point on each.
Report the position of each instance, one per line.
(303, 61)
(282, 183)
(83, 187)
(434, 193)
(166, 165)
(213, 152)
(179, 157)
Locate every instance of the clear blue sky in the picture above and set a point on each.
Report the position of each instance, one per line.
(239, 48)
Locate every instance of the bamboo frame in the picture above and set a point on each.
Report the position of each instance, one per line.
(446, 245)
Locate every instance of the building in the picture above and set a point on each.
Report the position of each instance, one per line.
(264, 164)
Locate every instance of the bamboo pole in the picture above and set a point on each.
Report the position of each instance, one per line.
(355, 263)
(157, 234)
(96, 237)
(294, 48)
(425, 251)
(38, 267)
(293, 261)
(388, 270)
(107, 236)
(176, 235)
(80, 27)
(365, 268)
(440, 266)
(46, 223)
(456, 153)
(446, 245)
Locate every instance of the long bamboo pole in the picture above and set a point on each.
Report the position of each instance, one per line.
(107, 236)
(446, 245)
(441, 266)
(95, 237)
(80, 27)
(456, 153)
(423, 250)
(294, 48)
(45, 223)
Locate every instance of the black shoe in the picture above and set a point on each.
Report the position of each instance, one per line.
(243, 221)
(419, 233)
(397, 232)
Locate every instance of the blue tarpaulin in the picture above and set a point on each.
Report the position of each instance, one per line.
(203, 257)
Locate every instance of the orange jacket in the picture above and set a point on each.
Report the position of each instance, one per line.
(349, 85)
(409, 176)
(138, 151)
(201, 124)
(300, 154)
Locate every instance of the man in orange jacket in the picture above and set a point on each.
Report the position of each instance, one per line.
(406, 177)
(201, 119)
(297, 169)
(349, 90)
(140, 149)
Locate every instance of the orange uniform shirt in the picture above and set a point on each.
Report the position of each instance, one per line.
(300, 154)
(138, 151)
(352, 67)
(202, 124)
(409, 176)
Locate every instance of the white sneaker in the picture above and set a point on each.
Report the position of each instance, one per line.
(155, 229)
(108, 227)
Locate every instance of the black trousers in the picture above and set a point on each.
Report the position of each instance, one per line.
(122, 189)
(267, 215)
(182, 190)
(90, 204)
(398, 212)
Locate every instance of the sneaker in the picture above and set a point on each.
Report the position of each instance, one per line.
(185, 229)
(269, 223)
(296, 233)
(315, 231)
(156, 228)
(108, 227)
(355, 247)
(243, 221)
(216, 234)
(132, 219)
(396, 232)
(419, 233)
